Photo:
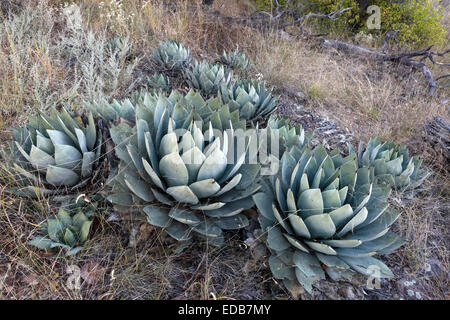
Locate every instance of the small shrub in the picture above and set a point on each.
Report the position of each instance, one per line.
(419, 21)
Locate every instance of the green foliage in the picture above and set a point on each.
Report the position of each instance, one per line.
(67, 231)
(419, 21)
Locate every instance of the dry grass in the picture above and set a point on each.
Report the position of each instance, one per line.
(35, 75)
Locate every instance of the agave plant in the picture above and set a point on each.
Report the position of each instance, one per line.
(289, 135)
(208, 78)
(144, 100)
(171, 55)
(119, 45)
(391, 164)
(249, 97)
(234, 59)
(179, 167)
(58, 150)
(160, 81)
(323, 213)
(111, 111)
(66, 231)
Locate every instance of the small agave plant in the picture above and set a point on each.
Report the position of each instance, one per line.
(324, 215)
(289, 135)
(115, 110)
(207, 78)
(65, 231)
(172, 56)
(234, 59)
(251, 98)
(159, 81)
(59, 151)
(119, 45)
(175, 167)
(391, 164)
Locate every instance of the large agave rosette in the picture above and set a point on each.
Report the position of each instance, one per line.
(323, 213)
(183, 172)
(57, 153)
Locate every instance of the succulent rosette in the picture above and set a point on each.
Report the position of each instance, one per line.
(324, 215)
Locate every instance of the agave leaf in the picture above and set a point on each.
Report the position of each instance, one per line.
(193, 159)
(342, 243)
(320, 247)
(208, 229)
(59, 137)
(184, 216)
(230, 185)
(320, 226)
(264, 204)
(209, 206)
(45, 144)
(74, 251)
(341, 215)
(54, 229)
(279, 269)
(183, 194)
(157, 216)
(213, 166)
(64, 217)
(40, 159)
(294, 242)
(139, 188)
(232, 223)
(84, 232)
(41, 243)
(79, 219)
(354, 222)
(310, 203)
(67, 156)
(308, 264)
(87, 163)
(82, 141)
(61, 176)
(69, 238)
(377, 228)
(331, 200)
(299, 226)
(205, 188)
(276, 240)
(173, 170)
(369, 266)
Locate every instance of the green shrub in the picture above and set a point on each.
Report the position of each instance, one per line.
(419, 21)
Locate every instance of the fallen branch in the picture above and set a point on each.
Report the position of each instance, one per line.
(404, 58)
